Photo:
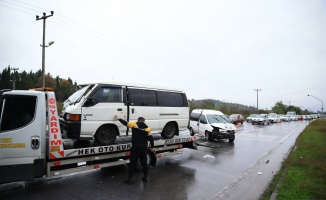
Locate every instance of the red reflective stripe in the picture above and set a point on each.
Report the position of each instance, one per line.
(128, 153)
(96, 166)
(180, 146)
(52, 156)
(61, 153)
(57, 163)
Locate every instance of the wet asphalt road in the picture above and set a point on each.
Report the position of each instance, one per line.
(217, 170)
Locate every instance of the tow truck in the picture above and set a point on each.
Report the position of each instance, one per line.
(31, 144)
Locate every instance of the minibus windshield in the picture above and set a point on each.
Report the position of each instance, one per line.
(75, 97)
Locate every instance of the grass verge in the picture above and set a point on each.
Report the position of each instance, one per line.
(303, 173)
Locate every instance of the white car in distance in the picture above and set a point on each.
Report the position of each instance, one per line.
(273, 118)
(260, 119)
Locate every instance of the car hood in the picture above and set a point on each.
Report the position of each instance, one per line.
(257, 118)
(227, 126)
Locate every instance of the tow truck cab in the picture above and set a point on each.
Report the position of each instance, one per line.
(22, 135)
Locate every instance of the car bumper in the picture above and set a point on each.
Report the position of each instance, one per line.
(70, 129)
(230, 134)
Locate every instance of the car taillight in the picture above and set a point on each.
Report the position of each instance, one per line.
(73, 117)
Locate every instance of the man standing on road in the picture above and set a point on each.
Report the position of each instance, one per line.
(141, 133)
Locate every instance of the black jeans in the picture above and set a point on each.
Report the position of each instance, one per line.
(135, 154)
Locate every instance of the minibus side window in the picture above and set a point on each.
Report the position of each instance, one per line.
(170, 99)
(139, 97)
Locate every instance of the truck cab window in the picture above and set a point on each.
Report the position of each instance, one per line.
(17, 112)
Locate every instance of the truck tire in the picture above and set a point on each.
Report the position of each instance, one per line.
(105, 135)
(231, 140)
(169, 131)
(139, 168)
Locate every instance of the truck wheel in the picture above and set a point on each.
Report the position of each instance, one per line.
(192, 133)
(231, 140)
(105, 135)
(139, 168)
(169, 131)
(208, 136)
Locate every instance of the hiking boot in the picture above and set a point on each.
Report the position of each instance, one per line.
(144, 179)
(128, 181)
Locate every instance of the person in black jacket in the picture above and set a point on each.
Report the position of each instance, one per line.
(141, 134)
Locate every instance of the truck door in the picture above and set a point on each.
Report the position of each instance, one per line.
(143, 103)
(22, 136)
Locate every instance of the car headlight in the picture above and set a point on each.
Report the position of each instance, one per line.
(72, 117)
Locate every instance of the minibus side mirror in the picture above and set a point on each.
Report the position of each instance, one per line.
(90, 102)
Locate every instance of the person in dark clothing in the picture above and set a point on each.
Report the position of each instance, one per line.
(141, 134)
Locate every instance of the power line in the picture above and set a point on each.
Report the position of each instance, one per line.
(16, 9)
(108, 41)
(101, 35)
(19, 5)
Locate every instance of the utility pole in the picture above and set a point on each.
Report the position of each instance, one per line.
(14, 80)
(289, 103)
(43, 45)
(257, 97)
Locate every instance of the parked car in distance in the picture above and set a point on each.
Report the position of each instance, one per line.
(300, 118)
(260, 119)
(236, 118)
(273, 118)
(306, 117)
(293, 117)
(212, 124)
(249, 119)
(284, 118)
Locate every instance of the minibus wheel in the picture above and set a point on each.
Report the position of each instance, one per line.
(105, 135)
(169, 131)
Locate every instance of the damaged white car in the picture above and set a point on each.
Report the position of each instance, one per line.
(212, 124)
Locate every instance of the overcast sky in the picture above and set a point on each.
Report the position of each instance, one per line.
(218, 49)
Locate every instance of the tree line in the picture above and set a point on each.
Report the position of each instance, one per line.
(232, 108)
(10, 78)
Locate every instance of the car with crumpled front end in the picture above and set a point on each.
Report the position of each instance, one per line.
(211, 124)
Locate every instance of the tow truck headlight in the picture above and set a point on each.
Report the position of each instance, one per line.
(73, 117)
